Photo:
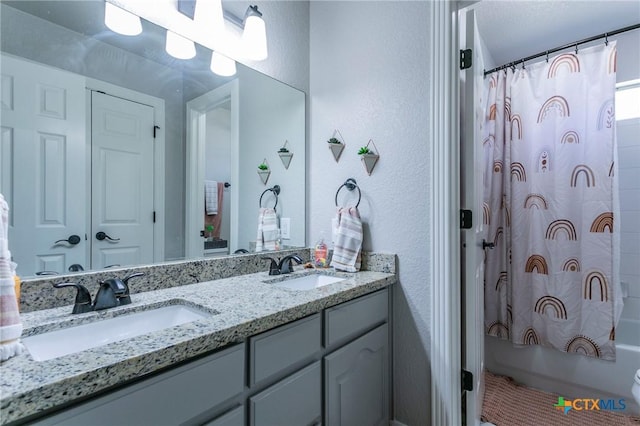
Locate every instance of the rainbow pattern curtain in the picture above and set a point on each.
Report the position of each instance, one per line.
(550, 202)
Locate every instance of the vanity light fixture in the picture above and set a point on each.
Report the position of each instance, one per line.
(254, 36)
(121, 21)
(222, 65)
(205, 25)
(179, 47)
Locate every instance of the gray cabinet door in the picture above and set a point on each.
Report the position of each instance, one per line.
(295, 400)
(234, 417)
(357, 381)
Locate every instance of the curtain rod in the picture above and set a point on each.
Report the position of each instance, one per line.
(566, 46)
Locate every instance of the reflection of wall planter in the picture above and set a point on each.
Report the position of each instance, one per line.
(264, 171)
(285, 155)
(336, 144)
(369, 157)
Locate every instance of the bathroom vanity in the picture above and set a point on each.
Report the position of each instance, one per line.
(265, 355)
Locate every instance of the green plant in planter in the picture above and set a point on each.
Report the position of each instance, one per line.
(334, 140)
(365, 150)
(263, 166)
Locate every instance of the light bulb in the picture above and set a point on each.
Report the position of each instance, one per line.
(222, 65)
(254, 36)
(121, 21)
(179, 47)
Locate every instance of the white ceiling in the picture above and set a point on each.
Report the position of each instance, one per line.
(515, 29)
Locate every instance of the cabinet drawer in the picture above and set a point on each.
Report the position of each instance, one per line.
(348, 320)
(284, 348)
(296, 400)
(168, 398)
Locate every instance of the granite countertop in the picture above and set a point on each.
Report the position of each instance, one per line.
(241, 306)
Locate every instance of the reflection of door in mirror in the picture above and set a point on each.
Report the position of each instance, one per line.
(46, 138)
(121, 181)
(217, 171)
(43, 149)
(212, 155)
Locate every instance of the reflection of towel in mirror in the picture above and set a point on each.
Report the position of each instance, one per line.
(10, 325)
(211, 197)
(216, 219)
(347, 250)
(267, 230)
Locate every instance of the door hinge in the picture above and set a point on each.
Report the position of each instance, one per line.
(465, 59)
(466, 219)
(155, 130)
(154, 217)
(467, 380)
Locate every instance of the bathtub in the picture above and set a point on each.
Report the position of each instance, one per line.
(571, 375)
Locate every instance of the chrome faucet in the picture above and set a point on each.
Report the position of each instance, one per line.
(112, 292)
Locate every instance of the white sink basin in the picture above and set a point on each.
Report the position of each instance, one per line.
(308, 282)
(65, 341)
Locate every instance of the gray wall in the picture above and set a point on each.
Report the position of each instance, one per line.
(369, 79)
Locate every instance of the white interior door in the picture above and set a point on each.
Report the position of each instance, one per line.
(42, 148)
(472, 253)
(121, 181)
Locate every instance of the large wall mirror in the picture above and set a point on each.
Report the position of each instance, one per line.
(108, 145)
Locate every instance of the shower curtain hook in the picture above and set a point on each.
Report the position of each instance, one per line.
(606, 39)
(523, 64)
(547, 56)
(576, 48)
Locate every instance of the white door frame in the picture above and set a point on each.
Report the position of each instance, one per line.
(471, 174)
(196, 133)
(158, 160)
(444, 202)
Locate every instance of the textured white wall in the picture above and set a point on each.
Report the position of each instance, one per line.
(369, 80)
(287, 23)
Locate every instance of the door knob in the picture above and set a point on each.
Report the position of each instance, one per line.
(102, 236)
(486, 245)
(73, 240)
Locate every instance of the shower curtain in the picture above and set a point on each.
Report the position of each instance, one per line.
(550, 200)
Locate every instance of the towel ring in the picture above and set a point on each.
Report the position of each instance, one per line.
(275, 190)
(350, 184)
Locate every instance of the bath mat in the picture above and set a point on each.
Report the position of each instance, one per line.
(507, 403)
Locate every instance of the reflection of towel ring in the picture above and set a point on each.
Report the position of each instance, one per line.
(350, 184)
(275, 190)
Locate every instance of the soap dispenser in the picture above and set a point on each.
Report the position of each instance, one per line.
(321, 252)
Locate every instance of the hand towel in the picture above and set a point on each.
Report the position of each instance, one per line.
(216, 219)
(347, 250)
(267, 229)
(10, 325)
(211, 197)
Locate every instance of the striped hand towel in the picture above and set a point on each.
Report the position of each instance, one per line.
(267, 229)
(10, 325)
(211, 197)
(347, 248)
